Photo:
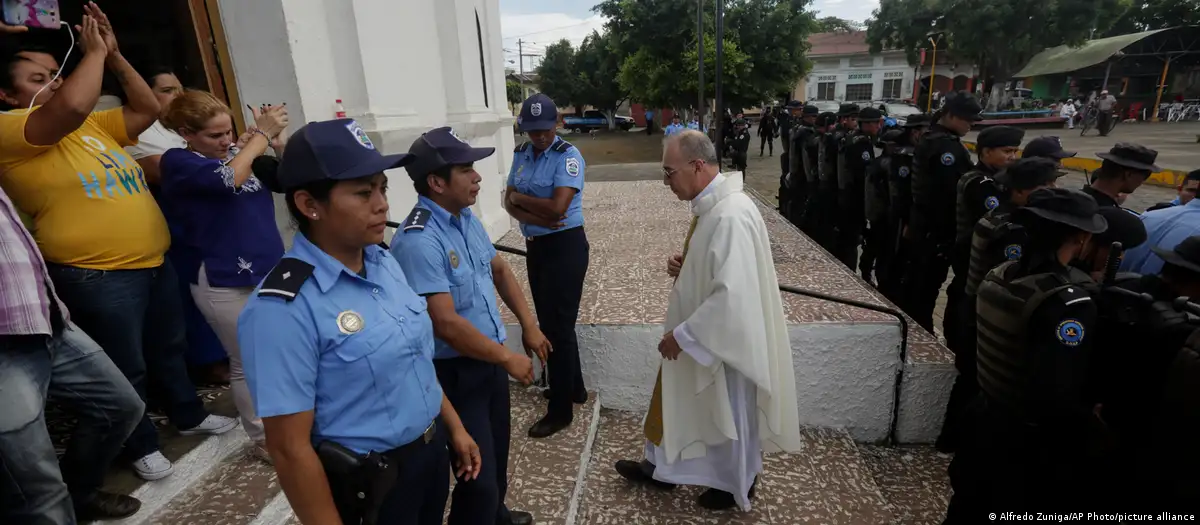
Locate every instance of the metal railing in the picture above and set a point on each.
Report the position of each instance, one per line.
(892, 425)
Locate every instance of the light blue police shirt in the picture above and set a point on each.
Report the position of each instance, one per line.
(673, 129)
(1165, 229)
(539, 177)
(441, 253)
(356, 350)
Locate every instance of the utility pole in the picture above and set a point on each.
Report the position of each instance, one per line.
(720, 109)
(521, 56)
(700, 49)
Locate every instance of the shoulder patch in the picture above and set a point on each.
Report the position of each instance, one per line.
(285, 279)
(866, 155)
(1070, 332)
(1012, 252)
(562, 146)
(572, 166)
(947, 159)
(1074, 294)
(417, 219)
(903, 172)
(991, 202)
(521, 147)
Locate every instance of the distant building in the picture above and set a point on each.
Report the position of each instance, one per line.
(527, 81)
(845, 70)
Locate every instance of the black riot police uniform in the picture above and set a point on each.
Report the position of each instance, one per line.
(815, 213)
(938, 163)
(739, 143)
(899, 207)
(856, 152)
(877, 253)
(828, 155)
(802, 134)
(1034, 416)
(784, 120)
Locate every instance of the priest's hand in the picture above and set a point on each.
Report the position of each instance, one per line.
(536, 343)
(519, 366)
(674, 264)
(669, 347)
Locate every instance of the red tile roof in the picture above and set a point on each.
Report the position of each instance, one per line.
(838, 43)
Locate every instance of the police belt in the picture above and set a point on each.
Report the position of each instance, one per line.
(360, 483)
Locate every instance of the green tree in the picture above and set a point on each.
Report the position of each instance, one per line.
(833, 24)
(514, 93)
(1145, 15)
(763, 59)
(598, 66)
(999, 37)
(557, 76)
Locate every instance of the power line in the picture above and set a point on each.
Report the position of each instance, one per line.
(548, 30)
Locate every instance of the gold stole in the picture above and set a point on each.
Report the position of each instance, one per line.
(654, 419)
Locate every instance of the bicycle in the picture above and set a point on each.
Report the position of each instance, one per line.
(1091, 115)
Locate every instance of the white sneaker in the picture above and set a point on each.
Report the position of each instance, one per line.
(212, 425)
(153, 466)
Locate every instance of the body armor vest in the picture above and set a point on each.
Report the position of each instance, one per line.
(900, 182)
(797, 173)
(829, 159)
(877, 188)
(986, 251)
(1005, 305)
(810, 151)
(965, 219)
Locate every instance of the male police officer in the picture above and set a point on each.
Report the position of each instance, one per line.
(1123, 169)
(856, 151)
(815, 220)
(939, 161)
(829, 154)
(448, 258)
(802, 158)
(878, 253)
(1035, 318)
(900, 206)
(739, 143)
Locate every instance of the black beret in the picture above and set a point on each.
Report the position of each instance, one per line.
(1000, 137)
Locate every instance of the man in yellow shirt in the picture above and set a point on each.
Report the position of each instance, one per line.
(100, 231)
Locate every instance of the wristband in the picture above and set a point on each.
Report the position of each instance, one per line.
(261, 132)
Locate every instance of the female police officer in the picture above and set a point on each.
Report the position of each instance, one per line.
(338, 349)
(544, 193)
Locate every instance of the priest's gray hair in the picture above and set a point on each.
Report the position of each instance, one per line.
(694, 145)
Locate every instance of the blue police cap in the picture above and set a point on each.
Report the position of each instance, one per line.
(335, 150)
(441, 147)
(538, 113)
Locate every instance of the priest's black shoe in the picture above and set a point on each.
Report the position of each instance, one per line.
(107, 506)
(578, 399)
(641, 472)
(713, 499)
(548, 426)
(519, 517)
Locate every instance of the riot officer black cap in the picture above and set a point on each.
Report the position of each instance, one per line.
(1028, 173)
(963, 104)
(811, 110)
(869, 114)
(1186, 254)
(794, 104)
(847, 110)
(826, 118)
(919, 120)
(1124, 227)
(1072, 208)
(1000, 137)
(891, 136)
(1046, 146)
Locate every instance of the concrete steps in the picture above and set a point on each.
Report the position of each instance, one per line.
(568, 479)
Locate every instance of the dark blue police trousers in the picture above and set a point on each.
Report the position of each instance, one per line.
(479, 393)
(422, 485)
(557, 265)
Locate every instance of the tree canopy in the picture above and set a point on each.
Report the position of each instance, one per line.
(556, 73)
(764, 47)
(833, 24)
(999, 37)
(1146, 15)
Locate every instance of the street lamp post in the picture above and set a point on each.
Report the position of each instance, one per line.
(700, 69)
(932, 72)
(720, 109)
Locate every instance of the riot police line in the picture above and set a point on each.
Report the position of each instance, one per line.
(1126, 386)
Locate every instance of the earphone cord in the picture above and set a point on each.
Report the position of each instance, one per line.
(60, 69)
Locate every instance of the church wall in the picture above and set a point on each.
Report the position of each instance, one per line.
(401, 67)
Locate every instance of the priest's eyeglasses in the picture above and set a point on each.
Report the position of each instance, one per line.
(669, 172)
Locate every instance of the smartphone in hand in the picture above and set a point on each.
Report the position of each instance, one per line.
(32, 13)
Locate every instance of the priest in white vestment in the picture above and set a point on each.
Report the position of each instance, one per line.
(725, 392)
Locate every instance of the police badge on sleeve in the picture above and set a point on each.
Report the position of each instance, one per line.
(947, 159)
(573, 167)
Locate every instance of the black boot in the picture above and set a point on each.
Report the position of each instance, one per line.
(641, 472)
(713, 499)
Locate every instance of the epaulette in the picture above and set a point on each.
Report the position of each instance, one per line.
(521, 147)
(1074, 294)
(562, 146)
(416, 220)
(285, 279)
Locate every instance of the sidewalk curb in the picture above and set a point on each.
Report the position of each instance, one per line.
(1167, 178)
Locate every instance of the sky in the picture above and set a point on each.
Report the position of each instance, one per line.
(538, 23)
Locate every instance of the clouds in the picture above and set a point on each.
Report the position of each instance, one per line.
(848, 9)
(542, 29)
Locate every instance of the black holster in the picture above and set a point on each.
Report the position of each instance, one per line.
(359, 483)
